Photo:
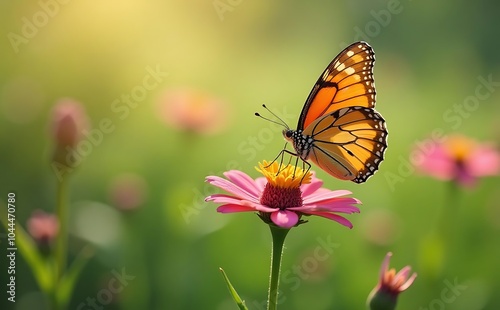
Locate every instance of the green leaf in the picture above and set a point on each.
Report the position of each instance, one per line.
(232, 291)
(68, 281)
(27, 247)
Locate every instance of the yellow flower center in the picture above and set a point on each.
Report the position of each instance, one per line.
(284, 177)
(459, 147)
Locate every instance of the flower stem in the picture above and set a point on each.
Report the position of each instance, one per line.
(278, 235)
(60, 254)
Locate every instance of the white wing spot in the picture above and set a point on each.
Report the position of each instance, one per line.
(350, 53)
(349, 70)
(340, 67)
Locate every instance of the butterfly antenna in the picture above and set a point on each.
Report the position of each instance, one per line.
(281, 121)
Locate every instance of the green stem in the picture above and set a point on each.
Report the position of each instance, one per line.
(279, 235)
(60, 254)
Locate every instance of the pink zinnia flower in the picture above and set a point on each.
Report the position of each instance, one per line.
(459, 159)
(390, 285)
(281, 198)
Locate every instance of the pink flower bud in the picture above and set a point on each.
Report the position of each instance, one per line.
(68, 122)
(43, 227)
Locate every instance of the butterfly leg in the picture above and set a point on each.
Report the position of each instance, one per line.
(304, 163)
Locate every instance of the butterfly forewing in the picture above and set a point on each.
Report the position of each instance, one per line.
(346, 82)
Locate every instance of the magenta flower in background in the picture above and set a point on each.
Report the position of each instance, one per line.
(281, 199)
(128, 192)
(43, 227)
(69, 121)
(193, 111)
(458, 158)
(390, 285)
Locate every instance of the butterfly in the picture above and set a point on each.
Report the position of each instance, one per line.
(339, 129)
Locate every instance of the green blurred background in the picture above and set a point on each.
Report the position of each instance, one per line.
(242, 54)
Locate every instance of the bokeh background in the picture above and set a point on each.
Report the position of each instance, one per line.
(137, 196)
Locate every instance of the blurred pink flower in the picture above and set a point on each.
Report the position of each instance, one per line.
(390, 285)
(281, 198)
(193, 111)
(68, 122)
(128, 192)
(42, 226)
(460, 159)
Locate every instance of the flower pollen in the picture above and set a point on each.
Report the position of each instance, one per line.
(284, 177)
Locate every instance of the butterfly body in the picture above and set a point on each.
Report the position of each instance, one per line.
(339, 129)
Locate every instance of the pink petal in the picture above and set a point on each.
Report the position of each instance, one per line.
(347, 209)
(261, 183)
(243, 181)
(223, 198)
(284, 218)
(245, 206)
(231, 208)
(344, 205)
(385, 266)
(331, 216)
(326, 195)
(402, 275)
(309, 189)
(484, 160)
(231, 188)
(408, 283)
(437, 163)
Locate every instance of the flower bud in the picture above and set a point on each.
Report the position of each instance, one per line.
(69, 120)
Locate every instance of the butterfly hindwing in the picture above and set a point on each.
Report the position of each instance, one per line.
(349, 144)
(346, 82)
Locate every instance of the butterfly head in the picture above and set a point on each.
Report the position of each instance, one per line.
(302, 144)
(288, 135)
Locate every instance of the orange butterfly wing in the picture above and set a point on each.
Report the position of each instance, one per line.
(346, 82)
(349, 144)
